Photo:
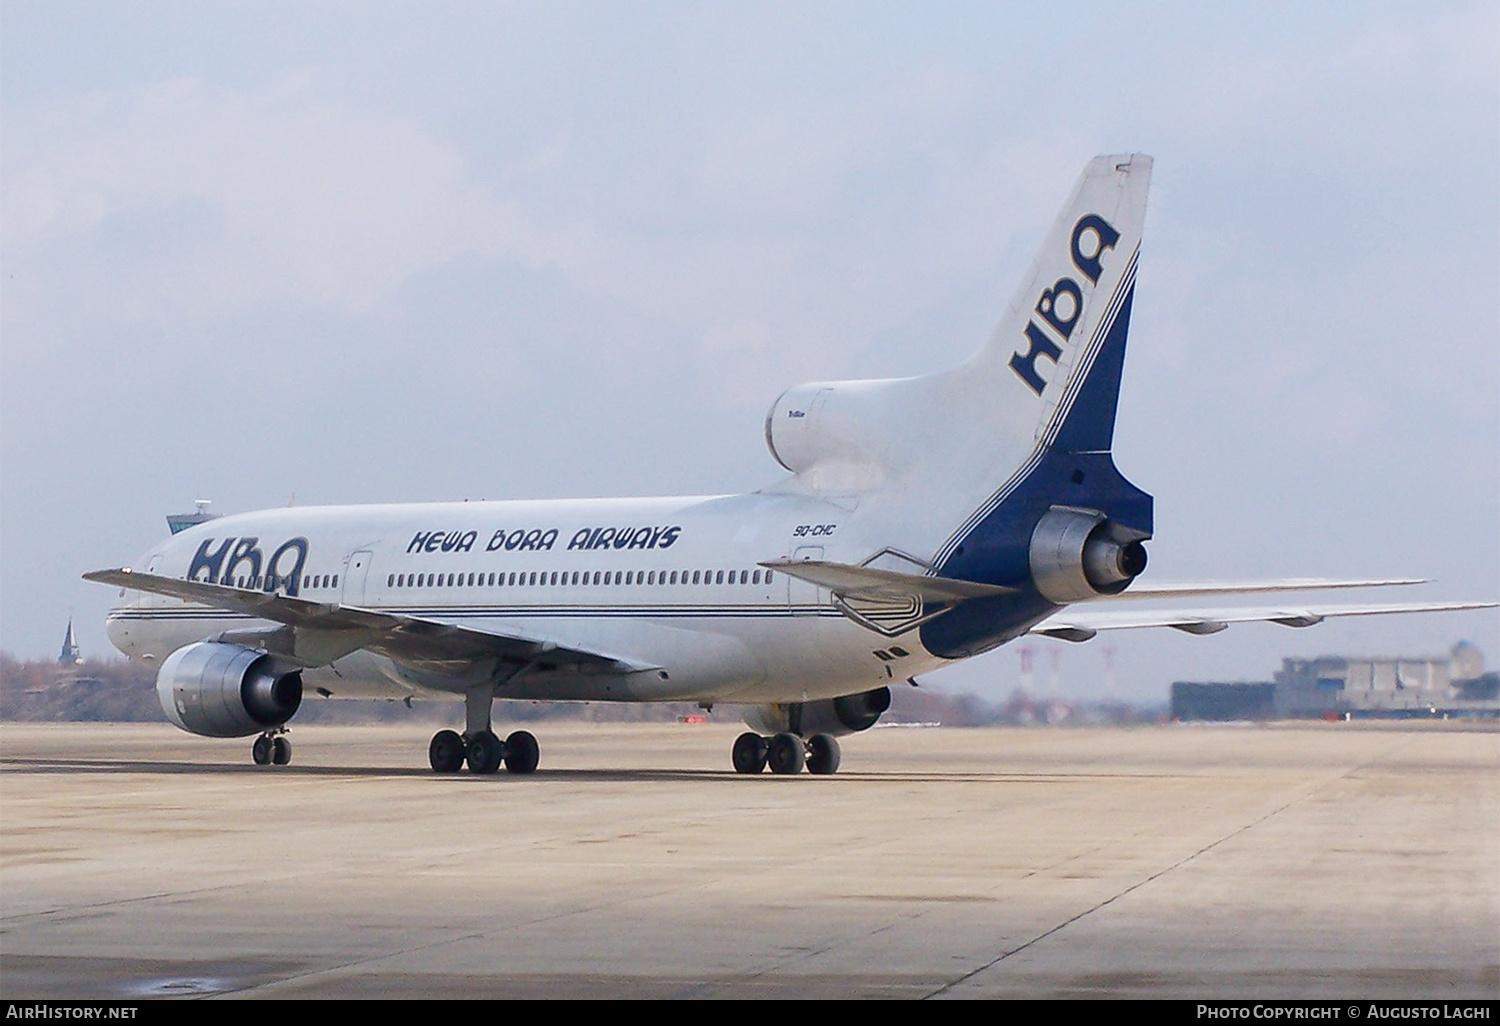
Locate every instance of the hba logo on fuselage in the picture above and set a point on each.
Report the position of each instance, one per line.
(1061, 306)
(242, 557)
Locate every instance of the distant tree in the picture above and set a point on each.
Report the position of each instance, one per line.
(43, 691)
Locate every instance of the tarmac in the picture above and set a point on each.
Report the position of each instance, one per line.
(1342, 860)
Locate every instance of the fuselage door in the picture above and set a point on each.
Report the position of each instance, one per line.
(355, 573)
(804, 597)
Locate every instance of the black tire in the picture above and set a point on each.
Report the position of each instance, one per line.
(446, 753)
(521, 753)
(484, 752)
(281, 751)
(823, 755)
(749, 753)
(261, 751)
(786, 754)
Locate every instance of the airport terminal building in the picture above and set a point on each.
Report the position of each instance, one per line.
(1454, 685)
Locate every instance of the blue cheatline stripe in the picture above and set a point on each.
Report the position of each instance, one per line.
(1059, 415)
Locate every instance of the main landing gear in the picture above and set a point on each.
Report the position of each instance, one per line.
(483, 751)
(479, 746)
(272, 748)
(785, 753)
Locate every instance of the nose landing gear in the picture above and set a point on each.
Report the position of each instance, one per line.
(272, 748)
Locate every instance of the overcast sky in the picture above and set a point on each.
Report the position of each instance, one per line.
(376, 252)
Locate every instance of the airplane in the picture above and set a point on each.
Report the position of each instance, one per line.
(920, 521)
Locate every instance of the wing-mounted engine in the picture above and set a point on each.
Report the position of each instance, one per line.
(1078, 554)
(835, 717)
(220, 690)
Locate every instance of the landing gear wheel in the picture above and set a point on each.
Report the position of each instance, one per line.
(281, 751)
(822, 754)
(749, 753)
(261, 751)
(484, 752)
(446, 753)
(521, 752)
(786, 754)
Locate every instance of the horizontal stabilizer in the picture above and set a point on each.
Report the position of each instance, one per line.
(868, 582)
(1077, 624)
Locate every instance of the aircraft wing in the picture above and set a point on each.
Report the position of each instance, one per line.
(1190, 589)
(873, 583)
(1081, 624)
(316, 633)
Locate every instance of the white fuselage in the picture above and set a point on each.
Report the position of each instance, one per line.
(673, 586)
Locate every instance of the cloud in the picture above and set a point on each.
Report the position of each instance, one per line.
(189, 199)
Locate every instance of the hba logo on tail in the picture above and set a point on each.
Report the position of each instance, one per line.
(1061, 306)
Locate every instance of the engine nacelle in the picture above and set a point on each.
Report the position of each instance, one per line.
(1079, 554)
(834, 716)
(220, 690)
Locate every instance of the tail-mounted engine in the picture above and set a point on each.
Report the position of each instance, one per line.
(1079, 554)
(220, 690)
(847, 714)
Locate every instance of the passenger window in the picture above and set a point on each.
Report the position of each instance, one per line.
(335, 582)
(696, 574)
(769, 575)
(756, 578)
(720, 579)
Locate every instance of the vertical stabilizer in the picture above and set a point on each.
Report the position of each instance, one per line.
(1061, 523)
(1050, 341)
(961, 468)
